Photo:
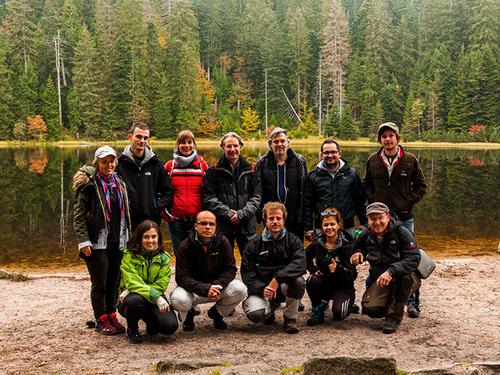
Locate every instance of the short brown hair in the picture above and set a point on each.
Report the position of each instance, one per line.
(330, 141)
(273, 206)
(231, 135)
(183, 136)
(140, 125)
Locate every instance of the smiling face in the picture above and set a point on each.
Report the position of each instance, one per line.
(231, 149)
(205, 225)
(330, 226)
(106, 166)
(279, 145)
(275, 221)
(330, 155)
(378, 222)
(149, 240)
(389, 140)
(138, 141)
(186, 147)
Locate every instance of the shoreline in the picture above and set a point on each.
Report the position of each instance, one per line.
(308, 142)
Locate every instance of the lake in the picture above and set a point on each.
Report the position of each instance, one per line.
(458, 216)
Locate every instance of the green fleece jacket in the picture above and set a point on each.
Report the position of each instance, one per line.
(145, 275)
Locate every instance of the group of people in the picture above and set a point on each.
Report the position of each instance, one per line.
(120, 203)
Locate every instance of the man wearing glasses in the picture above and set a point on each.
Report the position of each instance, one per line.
(333, 183)
(205, 273)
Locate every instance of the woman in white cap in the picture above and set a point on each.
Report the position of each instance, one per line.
(102, 225)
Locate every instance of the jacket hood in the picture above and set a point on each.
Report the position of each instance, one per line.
(321, 165)
(224, 163)
(83, 176)
(148, 154)
(267, 237)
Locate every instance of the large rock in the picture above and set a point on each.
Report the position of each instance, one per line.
(350, 366)
(251, 369)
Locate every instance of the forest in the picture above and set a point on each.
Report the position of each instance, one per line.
(88, 69)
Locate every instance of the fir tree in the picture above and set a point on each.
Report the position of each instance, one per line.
(347, 128)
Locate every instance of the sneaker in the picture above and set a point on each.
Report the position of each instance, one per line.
(390, 326)
(134, 336)
(115, 323)
(354, 309)
(301, 306)
(104, 326)
(317, 315)
(197, 310)
(270, 320)
(218, 319)
(188, 324)
(413, 310)
(291, 326)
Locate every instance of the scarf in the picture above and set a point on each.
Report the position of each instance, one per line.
(183, 161)
(108, 184)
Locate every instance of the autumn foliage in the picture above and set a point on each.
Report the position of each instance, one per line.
(36, 127)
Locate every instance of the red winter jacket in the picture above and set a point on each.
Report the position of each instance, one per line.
(187, 182)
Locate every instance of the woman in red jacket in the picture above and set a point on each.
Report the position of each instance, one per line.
(186, 172)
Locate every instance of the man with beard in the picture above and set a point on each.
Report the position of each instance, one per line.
(282, 173)
(333, 183)
(394, 177)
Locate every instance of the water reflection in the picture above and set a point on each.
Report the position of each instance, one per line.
(458, 216)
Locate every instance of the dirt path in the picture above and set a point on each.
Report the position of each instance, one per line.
(42, 329)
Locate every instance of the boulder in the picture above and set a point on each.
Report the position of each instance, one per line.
(348, 366)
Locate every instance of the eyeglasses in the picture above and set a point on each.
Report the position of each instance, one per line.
(329, 213)
(206, 223)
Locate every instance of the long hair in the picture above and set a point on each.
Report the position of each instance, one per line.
(135, 242)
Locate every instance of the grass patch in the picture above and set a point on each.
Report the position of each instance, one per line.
(13, 276)
(292, 369)
(401, 372)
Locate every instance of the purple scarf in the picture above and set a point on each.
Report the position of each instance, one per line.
(108, 184)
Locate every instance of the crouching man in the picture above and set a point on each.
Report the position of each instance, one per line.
(393, 255)
(272, 269)
(205, 272)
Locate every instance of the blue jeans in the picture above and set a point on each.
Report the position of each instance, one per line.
(415, 296)
(179, 230)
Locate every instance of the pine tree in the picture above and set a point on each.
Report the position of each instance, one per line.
(298, 53)
(21, 30)
(86, 105)
(182, 65)
(6, 115)
(332, 123)
(49, 110)
(347, 128)
(484, 21)
(335, 52)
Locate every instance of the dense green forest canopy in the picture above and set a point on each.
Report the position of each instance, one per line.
(89, 68)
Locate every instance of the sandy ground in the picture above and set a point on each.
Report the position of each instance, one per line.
(42, 329)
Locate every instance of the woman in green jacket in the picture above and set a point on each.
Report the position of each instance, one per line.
(145, 276)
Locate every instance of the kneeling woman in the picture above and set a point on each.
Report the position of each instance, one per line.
(145, 276)
(332, 275)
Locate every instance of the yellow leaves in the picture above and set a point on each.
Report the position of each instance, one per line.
(250, 120)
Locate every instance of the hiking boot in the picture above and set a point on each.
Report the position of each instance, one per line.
(301, 306)
(188, 324)
(354, 309)
(413, 310)
(291, 326)
(317, 315)
(218, 319)
(390, 326)
(269, 321)
(133, 335)
(104, 326)
(115, 323)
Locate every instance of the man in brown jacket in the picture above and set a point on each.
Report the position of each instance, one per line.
(394, 177)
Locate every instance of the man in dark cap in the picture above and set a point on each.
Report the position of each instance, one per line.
(392, 252)
(394, 177)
